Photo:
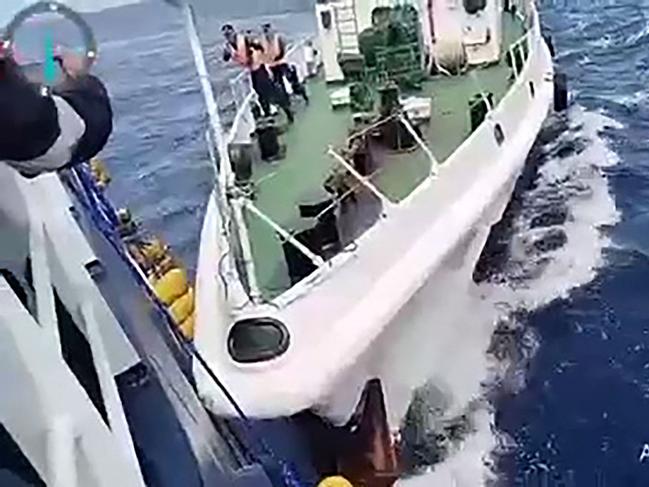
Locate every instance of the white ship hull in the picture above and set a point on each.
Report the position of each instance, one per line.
(425, 341)
(346, 319)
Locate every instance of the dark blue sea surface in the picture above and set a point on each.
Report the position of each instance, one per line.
(580, 418)
(158, 152)
(571, 407)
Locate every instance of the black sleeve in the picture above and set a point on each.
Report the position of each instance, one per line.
(29, 123)
(227, 52)
(89, 98)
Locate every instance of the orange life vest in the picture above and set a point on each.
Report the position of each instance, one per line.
(257, 59)
(240, 54)
(273, 50)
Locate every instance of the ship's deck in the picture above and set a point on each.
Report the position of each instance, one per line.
(299, 177)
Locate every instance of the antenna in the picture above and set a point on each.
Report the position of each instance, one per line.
(49, 67)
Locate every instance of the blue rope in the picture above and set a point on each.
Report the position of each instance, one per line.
(104, 216)
(104, 207)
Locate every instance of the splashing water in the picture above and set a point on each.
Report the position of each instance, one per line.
(554, 237)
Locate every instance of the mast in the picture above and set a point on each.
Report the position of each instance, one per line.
(218, 134)
(225, 177)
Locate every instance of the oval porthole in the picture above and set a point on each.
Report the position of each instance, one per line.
(472, 7)
(499, 134)
(257, 340)
(532, 89)
(325, 18)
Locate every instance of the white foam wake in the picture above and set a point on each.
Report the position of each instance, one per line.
(578, 179)
(532, 279)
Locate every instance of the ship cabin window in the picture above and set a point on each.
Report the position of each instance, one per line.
(532, 89)
(499, 135)
(257, 340)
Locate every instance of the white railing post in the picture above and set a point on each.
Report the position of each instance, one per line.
(61, 453)
(512, 56)
(53, 420)
(246, 249)
(42, 279)
(234, 92)
(114, 408)
(208, 92)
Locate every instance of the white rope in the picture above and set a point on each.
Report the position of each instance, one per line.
(316, 259)
(434, 164)
(363, 180)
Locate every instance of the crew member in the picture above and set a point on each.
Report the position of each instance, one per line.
(275, 47)
(236, 47)
(250, 54)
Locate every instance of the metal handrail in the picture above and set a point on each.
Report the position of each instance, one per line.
(42, 250)
(243, 92)
(41, 275)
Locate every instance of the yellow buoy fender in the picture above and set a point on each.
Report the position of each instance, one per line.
(171, 286)
(183, 307)
(187, 327)
(336, 481)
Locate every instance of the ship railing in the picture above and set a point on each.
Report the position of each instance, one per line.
(243, 94)
(519, 51)
(218, 141)
(517, 54)
(232, 204)
(373, 181)
(56, 404)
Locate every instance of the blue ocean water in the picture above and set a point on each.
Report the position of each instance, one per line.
(580, 418)
(569, 404)
(158, 153)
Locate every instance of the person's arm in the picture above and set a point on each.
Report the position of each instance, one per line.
(227, 52)
(31, 137)
(88, 96)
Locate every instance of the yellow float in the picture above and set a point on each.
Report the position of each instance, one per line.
(165, 273)
(336, 481)
(171, 285)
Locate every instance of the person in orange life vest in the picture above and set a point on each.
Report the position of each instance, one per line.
(249, 53)
(275, 47)
(236, 47)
